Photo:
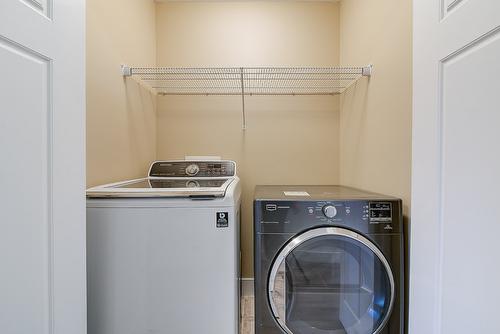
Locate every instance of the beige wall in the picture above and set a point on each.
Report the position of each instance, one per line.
(289, 140)
(375, 144)
(361, 138)
(121, 116)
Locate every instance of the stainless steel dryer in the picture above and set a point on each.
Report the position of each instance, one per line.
(328, 260)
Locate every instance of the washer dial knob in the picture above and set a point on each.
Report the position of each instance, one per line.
(192, 169)
(329, 211)
(192, 184)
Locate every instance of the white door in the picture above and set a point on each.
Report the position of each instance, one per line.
(42, 203)
(455, 227)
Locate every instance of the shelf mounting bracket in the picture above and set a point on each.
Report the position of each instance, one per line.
(367, 71)
(126, 71)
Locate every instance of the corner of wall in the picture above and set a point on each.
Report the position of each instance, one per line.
(121, 115)
(375, 117)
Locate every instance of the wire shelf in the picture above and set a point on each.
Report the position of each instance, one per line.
(247, 81)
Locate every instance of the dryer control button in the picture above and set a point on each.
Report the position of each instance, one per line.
(330, 211)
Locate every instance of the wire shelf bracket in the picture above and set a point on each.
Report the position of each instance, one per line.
(247, 81)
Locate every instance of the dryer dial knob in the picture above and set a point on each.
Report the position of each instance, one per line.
(329, 211)
(192, 169)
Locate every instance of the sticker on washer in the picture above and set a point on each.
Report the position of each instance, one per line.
(222, 219)
(296, 193)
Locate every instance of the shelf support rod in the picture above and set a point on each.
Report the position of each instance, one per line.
(243, 99)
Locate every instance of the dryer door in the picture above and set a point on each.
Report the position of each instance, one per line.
(331, 281)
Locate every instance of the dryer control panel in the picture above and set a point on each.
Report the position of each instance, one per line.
(295, 216)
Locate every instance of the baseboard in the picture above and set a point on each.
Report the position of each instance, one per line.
(247, 286)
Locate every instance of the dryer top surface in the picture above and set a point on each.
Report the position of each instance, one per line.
(315, 193)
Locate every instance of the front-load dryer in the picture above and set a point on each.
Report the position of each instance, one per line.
(328, 260)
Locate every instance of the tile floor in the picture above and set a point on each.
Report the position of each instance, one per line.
(247, 321)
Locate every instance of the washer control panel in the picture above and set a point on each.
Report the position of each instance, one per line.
(192, 169)
(222, 168)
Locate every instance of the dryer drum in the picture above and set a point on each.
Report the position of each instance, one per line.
(331, 280)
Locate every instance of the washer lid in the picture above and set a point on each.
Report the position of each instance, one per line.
(175, 178)
(164, 187)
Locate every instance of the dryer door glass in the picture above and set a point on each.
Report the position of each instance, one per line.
(332, 281)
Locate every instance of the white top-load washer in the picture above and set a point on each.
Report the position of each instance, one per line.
(163, 251)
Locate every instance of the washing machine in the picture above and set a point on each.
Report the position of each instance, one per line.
(328, 260)
(163, 252)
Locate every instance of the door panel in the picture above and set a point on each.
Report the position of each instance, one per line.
(42, 200)
(26, 238)
(469, 128)
(455, 168)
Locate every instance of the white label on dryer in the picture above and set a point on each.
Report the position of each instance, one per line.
(296, 193)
